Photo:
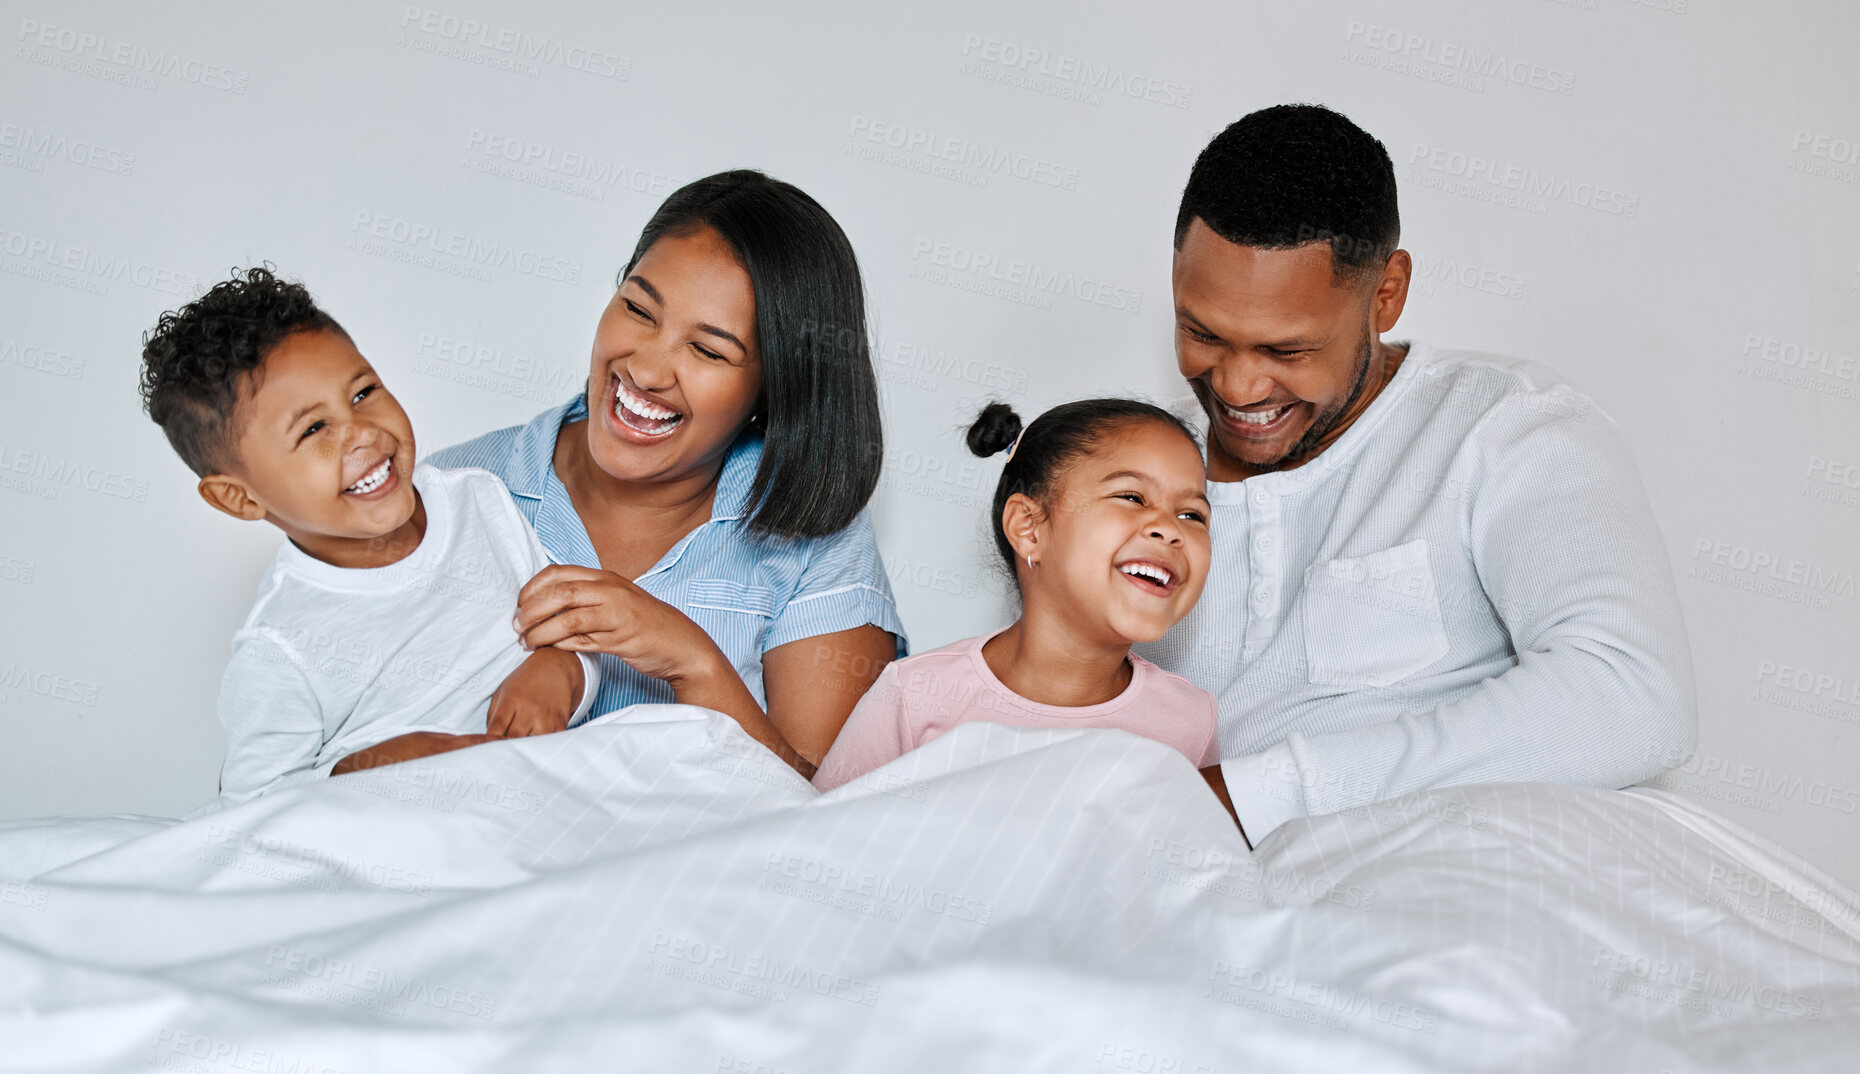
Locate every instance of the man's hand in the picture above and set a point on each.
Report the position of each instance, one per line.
(406, 748)
(538, 698)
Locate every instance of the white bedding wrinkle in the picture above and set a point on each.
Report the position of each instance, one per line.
(655, 892)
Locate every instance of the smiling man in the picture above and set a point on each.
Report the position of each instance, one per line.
(1431, 567)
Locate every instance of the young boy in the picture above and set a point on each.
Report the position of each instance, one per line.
(383, 629)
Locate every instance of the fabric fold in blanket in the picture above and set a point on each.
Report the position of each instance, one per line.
(654, 891)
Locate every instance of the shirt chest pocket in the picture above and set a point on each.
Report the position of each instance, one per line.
(1372, 620)
(723, 595)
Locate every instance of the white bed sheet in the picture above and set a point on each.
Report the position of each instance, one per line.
(655, 892)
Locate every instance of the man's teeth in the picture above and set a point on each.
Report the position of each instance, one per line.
(372, 479)
(1258, 417)
(644, 407)
(1144, 570)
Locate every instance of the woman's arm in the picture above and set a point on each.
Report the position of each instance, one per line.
(582, 609)
(711, 682)
(812, 684)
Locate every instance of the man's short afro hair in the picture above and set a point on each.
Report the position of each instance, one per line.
(1293, 174)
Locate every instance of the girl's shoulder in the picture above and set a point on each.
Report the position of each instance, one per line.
(956, 658)
(1175, 687)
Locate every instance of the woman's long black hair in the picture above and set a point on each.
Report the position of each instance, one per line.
(823, 441)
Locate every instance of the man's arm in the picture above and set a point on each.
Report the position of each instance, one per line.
(1568, 553)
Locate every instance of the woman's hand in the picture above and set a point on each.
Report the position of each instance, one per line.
(594, 611)
(588, 610)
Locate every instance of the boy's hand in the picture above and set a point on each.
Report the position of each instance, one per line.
(407, 747)
(538, 698)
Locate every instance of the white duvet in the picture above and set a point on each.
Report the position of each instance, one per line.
(655, 892)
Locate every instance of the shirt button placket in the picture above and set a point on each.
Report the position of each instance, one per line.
(1263, 608)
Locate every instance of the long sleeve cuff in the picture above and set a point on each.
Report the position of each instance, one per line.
(590, 686)
(1265, 789)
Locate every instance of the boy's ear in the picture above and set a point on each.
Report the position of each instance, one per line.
(1020, 520)
(229, 494)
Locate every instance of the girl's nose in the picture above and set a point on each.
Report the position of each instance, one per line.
(1166, 531)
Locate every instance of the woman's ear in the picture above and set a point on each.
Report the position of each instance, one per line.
(1021, 520)
(229, 494)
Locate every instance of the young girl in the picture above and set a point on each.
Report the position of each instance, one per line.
(1102, 516)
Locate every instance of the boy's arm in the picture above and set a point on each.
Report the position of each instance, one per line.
(272, 717)
(407, 747)
(548, 691)
(528, 702)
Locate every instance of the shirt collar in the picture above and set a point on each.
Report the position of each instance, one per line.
(532, 461)
(533, 466)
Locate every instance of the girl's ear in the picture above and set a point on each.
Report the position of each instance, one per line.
(1021, 519)
(229, 494)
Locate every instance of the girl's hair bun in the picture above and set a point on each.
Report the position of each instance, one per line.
(994, 429)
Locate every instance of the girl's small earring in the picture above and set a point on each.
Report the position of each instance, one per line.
(1030, 562)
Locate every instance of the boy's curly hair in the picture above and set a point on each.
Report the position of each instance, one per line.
(194, 359)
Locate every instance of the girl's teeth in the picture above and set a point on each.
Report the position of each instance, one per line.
(1154, 574)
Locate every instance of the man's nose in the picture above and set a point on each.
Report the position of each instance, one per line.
(1242, 380)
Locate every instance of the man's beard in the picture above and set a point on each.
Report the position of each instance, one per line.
(1330, 417)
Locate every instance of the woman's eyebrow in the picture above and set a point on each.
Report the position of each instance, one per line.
(715, 331)
(646, 286)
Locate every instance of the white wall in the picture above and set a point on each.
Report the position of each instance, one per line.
(1697, 235)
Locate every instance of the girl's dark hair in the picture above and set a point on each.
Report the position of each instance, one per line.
(1054, 441)
(823, 441)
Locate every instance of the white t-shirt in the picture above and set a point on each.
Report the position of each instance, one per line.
(1467, 586)
(332, 660)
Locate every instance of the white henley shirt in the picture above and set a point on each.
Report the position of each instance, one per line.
(1467, 586)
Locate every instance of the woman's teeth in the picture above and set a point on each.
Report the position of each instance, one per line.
(642, 414)
(372, 479)
(1257, 417)
(1144, 570)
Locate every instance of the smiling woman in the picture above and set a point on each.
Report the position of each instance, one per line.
(706, 495)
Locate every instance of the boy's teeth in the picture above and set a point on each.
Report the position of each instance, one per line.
(372, 479)
(1144, 570)
(1263, 417)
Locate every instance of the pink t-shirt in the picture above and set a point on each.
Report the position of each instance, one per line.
(920, 697)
